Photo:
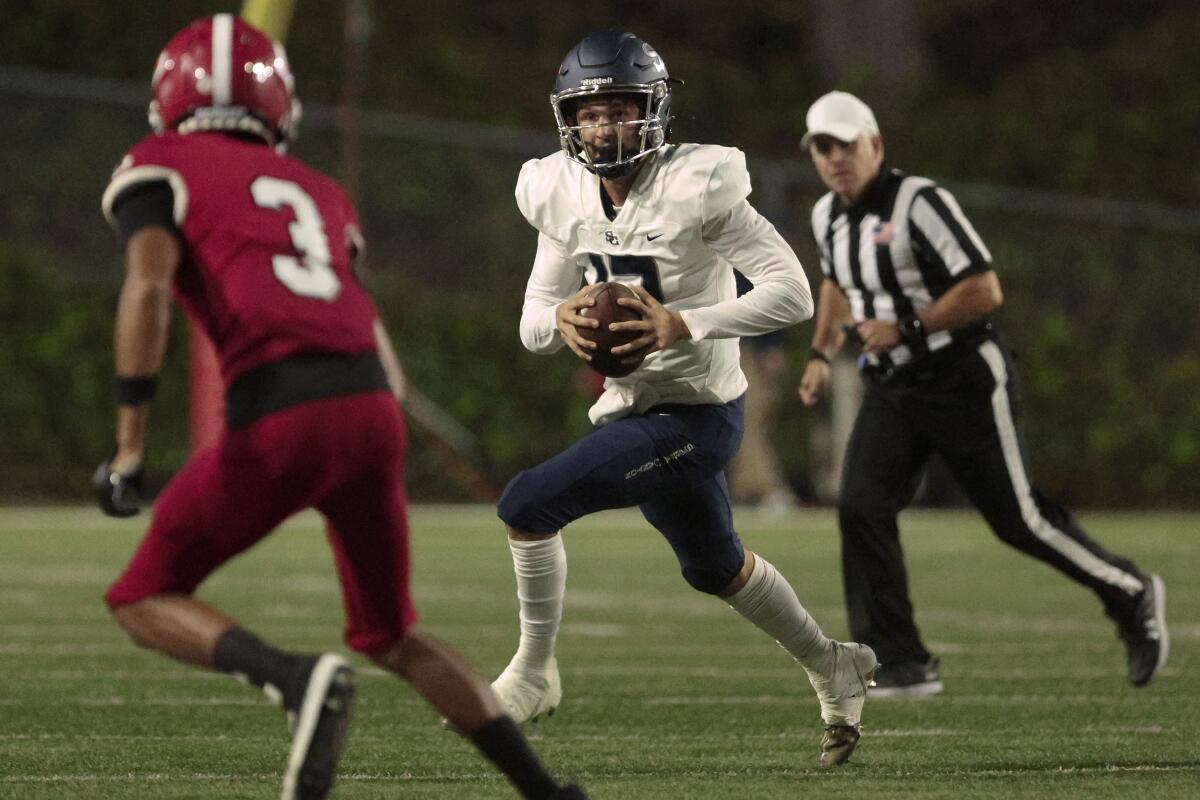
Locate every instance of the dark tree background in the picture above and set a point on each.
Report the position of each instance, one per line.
(1070, 128)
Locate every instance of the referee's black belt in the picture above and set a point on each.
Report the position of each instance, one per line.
(933, 364)
(299, 379)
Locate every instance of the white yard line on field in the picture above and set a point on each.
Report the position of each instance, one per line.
(460, 777)
(803, 735)
(999, 699)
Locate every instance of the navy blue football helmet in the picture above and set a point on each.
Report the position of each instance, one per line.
(613, 62)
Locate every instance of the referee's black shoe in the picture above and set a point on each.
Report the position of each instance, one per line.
(1144, 633)
(906, 679)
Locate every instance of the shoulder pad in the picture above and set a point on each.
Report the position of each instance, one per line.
(715, 175)
(544, 193)
(150, 160)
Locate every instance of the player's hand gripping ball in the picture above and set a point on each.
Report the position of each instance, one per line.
(607, 310)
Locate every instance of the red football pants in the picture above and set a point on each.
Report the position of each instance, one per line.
(343, 456)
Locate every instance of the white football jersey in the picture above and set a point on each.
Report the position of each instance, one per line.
(684, 226)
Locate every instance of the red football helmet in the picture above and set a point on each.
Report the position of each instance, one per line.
(220, 73)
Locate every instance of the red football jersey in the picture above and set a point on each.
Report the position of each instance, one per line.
(269, 246)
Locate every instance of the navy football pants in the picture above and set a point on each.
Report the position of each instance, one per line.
(669, 462)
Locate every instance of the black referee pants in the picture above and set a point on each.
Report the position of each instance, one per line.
(966, 411)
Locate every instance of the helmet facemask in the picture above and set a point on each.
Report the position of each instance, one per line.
(653, 127)
(229, 119)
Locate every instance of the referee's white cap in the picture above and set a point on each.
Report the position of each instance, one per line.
(840, 115)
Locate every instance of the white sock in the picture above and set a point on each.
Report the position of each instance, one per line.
(770, 603)
(541, 568)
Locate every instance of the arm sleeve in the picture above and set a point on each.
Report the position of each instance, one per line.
(781, 295)
(826, 264)
(941, 234)
(555, 277)
(142, 205)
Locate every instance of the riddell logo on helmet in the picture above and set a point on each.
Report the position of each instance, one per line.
(595, 81)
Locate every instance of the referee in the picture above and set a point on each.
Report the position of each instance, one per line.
(910, 281)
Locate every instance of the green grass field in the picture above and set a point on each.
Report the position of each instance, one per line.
(669, 694)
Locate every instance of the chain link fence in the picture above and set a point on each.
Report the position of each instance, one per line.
(1101, 305)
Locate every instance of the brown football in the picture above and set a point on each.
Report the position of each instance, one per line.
(607, 310)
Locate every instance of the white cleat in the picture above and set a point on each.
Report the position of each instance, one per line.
(528, 694)
(842, 696)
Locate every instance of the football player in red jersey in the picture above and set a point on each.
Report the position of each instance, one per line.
(259, 249)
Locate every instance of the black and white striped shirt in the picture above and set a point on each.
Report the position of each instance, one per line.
(897, 251)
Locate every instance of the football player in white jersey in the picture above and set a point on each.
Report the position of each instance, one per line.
(670, 221)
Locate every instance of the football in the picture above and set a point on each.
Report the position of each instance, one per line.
(607, 310)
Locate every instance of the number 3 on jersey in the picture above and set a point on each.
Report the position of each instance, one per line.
(310, 275)
(644, 267)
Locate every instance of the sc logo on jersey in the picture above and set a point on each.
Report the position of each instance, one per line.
(611, 237)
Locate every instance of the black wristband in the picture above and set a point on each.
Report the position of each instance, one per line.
(135, 391)
(816, 355)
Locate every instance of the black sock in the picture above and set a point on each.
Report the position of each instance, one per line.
(502, 742)
(241, 652)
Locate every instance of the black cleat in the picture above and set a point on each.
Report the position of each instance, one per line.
(571, 792)
(907, 679)
(1144, 633)
(319, 730)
